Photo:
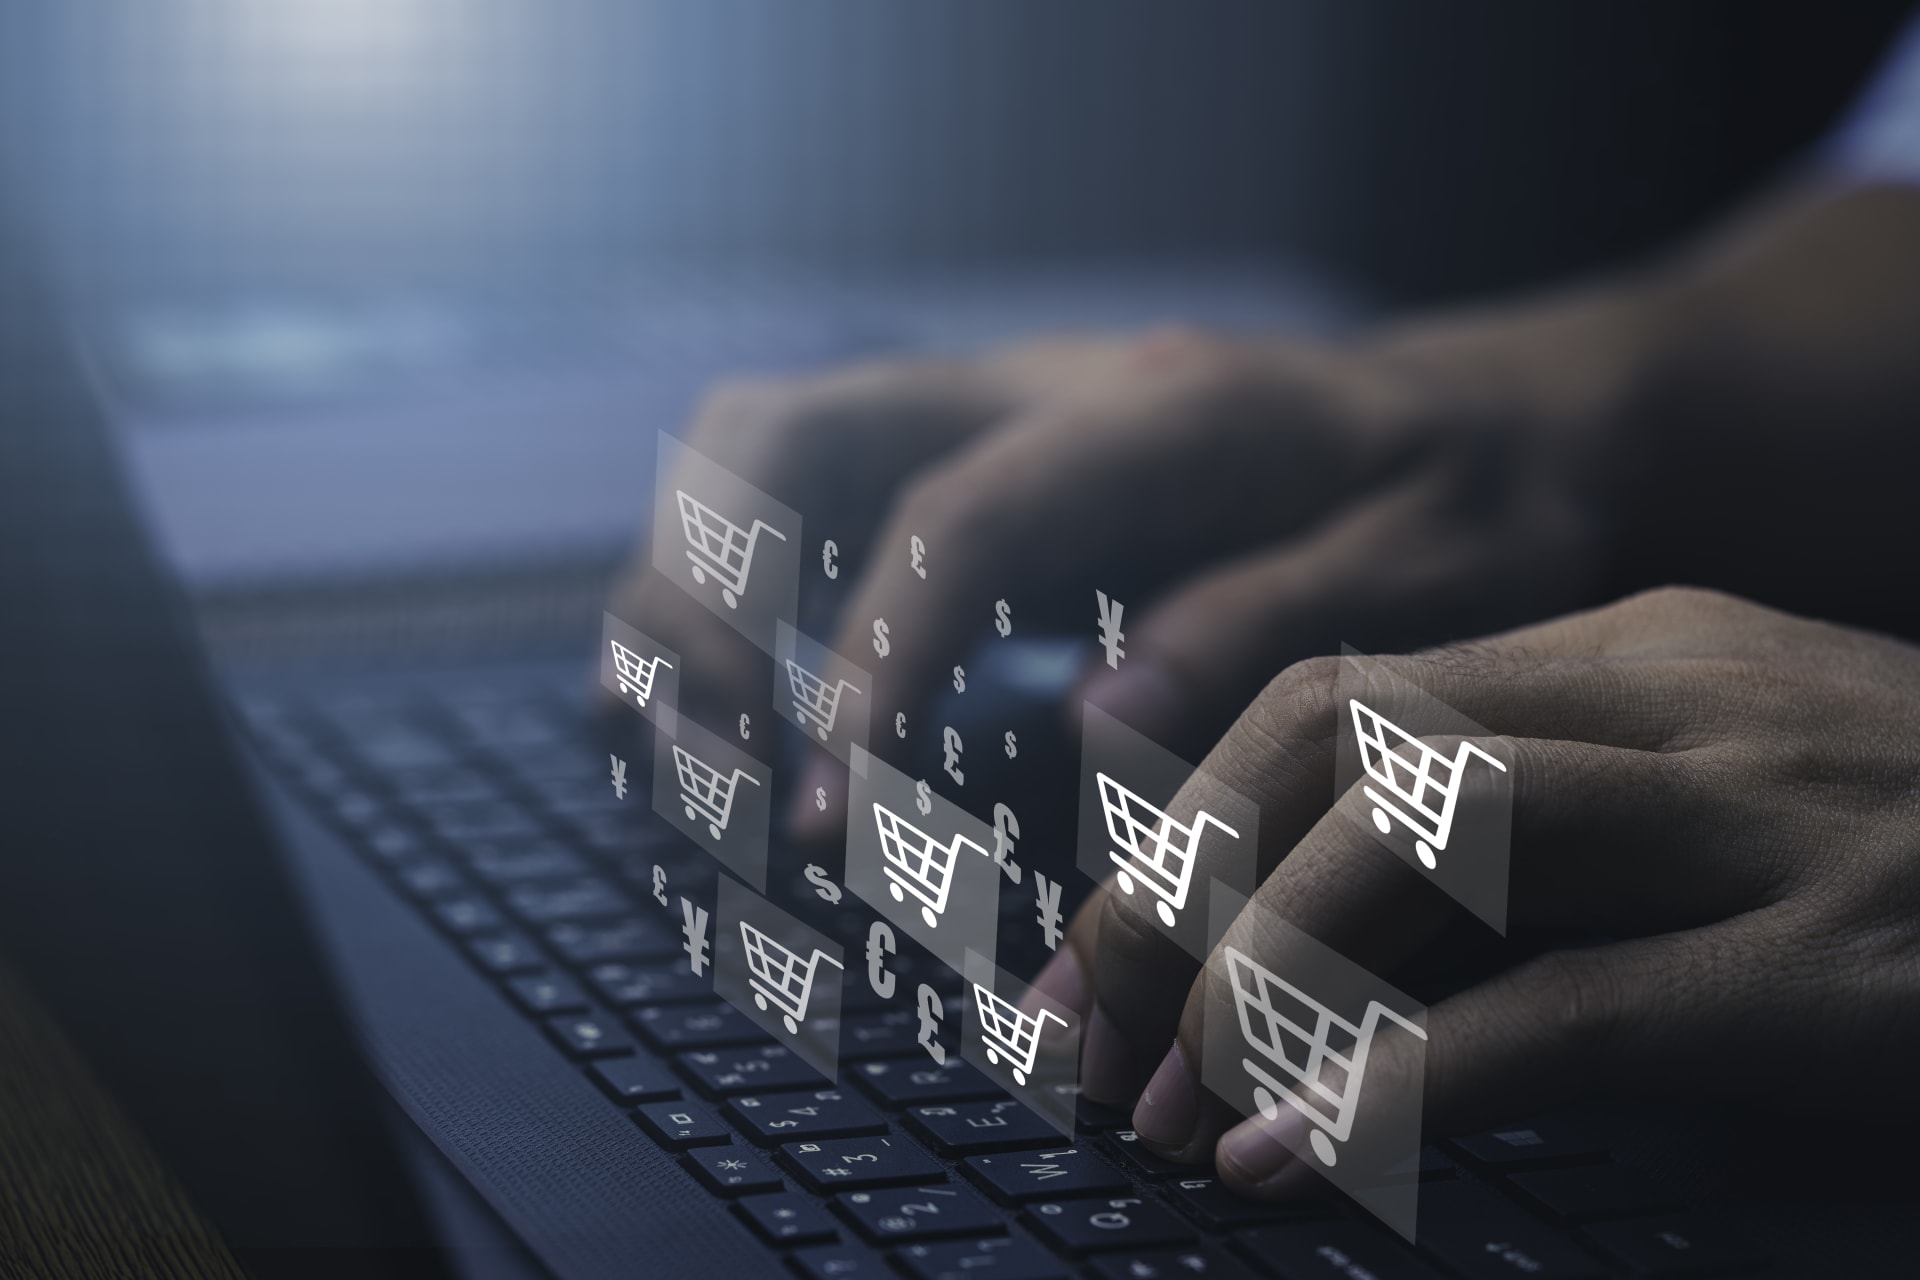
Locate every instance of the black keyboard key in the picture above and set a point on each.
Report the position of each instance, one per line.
(585, 899)
(547, 993)
(679, 1126)
(840, 1262)
(1143, 1164)
(357, 810)
(1046, 1175)
(1526, 1146)
(1488, 1238)
(858, 1164)
(467, 914)
(807, 1114)
(486, 820)
(1092, 1117)
(624, 984)
(893, 1034)
(906, 1083)
(439, 786)
(492, 721)
(714, 1025)
(1170, 1264)
(530, 860)
(788, 1219)
(1333, 1251)
(997, 1258)
(504, 953)
(919, 1213)
(635, 938)
(1120, 1222)
(1588, 1193)
(635, 1079)
(391, 843)
(732, 1170)
(1208, 1202)
(429, 878)
(971, 1128)
(589, 1035)
(721, 1073)
(1672, 1247)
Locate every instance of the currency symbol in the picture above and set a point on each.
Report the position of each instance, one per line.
(1047, 898)
(923, 797)
(1003, 618)
(959, 679)
(817, 877)
(879, 946)
(746, 726)
(827, 553)
(953, 757)
(1006, 829)
(929, 1022)
(660, 885)
(820, 798)
(1013, 745)
(900, 723)
(619, 777)
(695, 933)
(1110, 634)
(881, 645)
(919, 554)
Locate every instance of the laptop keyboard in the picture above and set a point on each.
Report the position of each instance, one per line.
(494, 815)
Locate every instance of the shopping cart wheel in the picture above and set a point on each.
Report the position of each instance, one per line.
(1126, 881)
(759, 1001)
(821, 732)
(733, 601)
(933, 921)
(899, 894)
(793, 1029)
(992, 1057)
(699, 574)
(713, 829)
(1166, 915)
(1019, 1076)
(1381, 821)
(1264, 1100)
(1427, 859)
(691, 814)
(1322, 1146)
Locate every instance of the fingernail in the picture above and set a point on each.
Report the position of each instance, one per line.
(1168, 1108)
(1259, 1150)
(1064, 981)
(817, 801)
(1140, 693)
(1106, 1071)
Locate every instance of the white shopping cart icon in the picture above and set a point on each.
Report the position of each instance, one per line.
(813, 699)
(720, 546)
(634, 673)
(1004, 1029)
(1412, 781)
(1307, 1056)
(1147, 834)
(780, 976)
(706, 791)
(918, 864)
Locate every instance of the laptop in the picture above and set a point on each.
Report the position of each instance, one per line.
(372, 952)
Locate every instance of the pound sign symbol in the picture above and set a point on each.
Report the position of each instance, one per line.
(919, 555)
(1006, 829)
(953, 757)
(660, 885)
(929, 1023)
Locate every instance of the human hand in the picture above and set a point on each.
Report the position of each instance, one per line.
(1732, 792)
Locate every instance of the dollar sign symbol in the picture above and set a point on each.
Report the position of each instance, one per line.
(1013, 745)
(660, 884)
(827, 553)
(1006, 829)
(746, 730)
(879, 946)
(929, 1023)
(881, 645)
(900, 723)
(820, 798)
(959, 679)
(817, 877)
(923, 797)
(919, 554)
(954, 748)
(1003, 618)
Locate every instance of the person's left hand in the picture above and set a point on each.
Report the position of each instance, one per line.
(1732, 792)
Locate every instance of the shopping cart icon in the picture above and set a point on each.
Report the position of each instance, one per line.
(706, 792)
(720, 547)
(1006, 1030)
(1411, 780)
(1148, 834)
(634, 673)
(1330, 1077)
(918, 864)
(779, 976)
(813, 700)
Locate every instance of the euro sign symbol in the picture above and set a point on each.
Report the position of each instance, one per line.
(1013, 745)
(923, 797)
(820, 798)
(1003, 618)
(1110, 634)
(746, 726)
(880, 945)
(929, 1023)
(881, 645)
(959, 679)
(695, 932)
(1006, 829)
(919, 549)
(660, 885)
(900, 723)
(953, 757)
(817, 877)
(827, 553)
(1047, 898)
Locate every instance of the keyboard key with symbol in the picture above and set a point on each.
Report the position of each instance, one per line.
(547, 993)
(1475, 1232)
(1044, 1175)
(680, 1125)
(1671, 1247)
(970, 1128)
(589, 1035)
(720, 1073)
(859, 1164)
(818, 1113)
(1334, 1251)
(732, 1170)
(906, 1082)
(1120, 1222)
(840, 1262)
(788, 1219)
(635, 1079)
(1170, 1264)
(910, 1213)
(713, 1025)
(997, 1258)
